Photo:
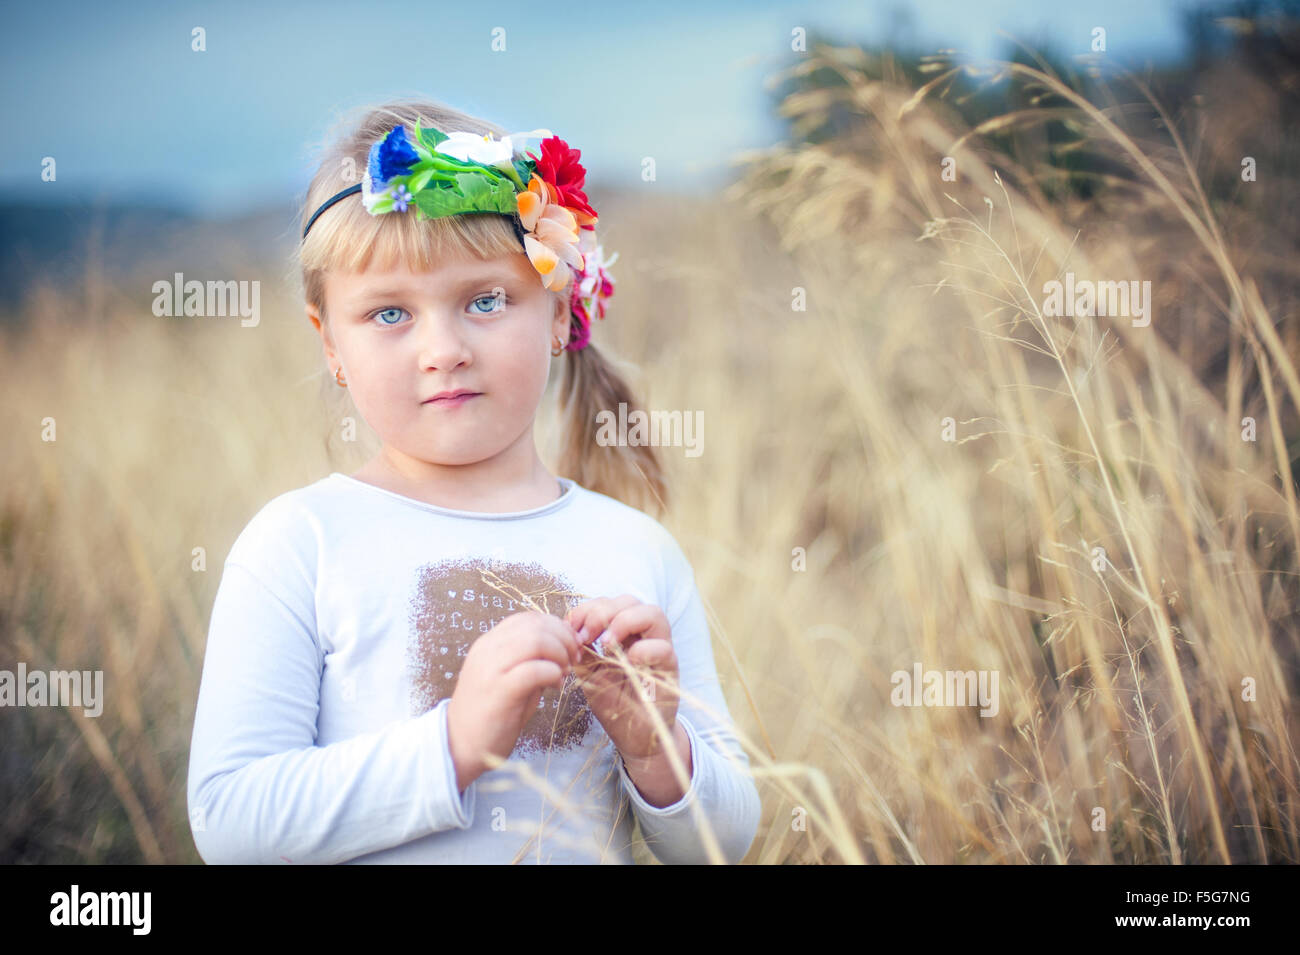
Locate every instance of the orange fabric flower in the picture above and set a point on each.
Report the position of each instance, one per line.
(550, 234)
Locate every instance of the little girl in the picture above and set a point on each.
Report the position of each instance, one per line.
(453, 655)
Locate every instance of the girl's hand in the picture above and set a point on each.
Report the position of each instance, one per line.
(641, 631)
(499, 685)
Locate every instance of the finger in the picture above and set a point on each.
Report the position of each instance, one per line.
(590, 654)
(656, 663)
(654, 653)
(590, 602)
(576, 615)
(585, 616)
(579, 615)
(632, 622)
(547, 643)
(600, 613)
(530, 675)
(567, 635)
(551, 630)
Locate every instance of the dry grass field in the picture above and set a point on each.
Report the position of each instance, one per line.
(907, 460)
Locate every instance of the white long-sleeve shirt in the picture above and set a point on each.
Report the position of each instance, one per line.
(342, 619)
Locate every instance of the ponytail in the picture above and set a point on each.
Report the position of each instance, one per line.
(630, 473)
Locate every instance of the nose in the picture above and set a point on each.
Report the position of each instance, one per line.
(441, 342)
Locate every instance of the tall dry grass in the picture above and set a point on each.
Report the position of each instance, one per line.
(1126, 734)
(1121, 688)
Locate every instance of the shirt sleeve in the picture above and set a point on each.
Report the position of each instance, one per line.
(721, 783)
(259, 789)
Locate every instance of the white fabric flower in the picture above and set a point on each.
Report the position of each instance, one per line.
(483, 148)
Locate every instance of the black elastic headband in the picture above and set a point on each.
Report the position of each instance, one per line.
(344, 193)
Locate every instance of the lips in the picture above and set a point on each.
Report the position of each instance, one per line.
(451, 395)
(451, 399)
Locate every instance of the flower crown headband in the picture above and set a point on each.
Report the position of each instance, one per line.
(443, 174)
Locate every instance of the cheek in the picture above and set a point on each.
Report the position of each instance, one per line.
(522, 380)
(376, 386)
(525, 359)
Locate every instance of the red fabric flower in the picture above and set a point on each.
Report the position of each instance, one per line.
(559, 168)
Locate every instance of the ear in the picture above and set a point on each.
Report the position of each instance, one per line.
(313, 314)
(560, 318)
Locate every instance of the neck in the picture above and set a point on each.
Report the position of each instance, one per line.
(514, 480)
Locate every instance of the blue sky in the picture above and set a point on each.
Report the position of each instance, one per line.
(115, 94)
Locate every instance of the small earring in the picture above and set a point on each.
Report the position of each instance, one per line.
(338, 371)
(559, 347)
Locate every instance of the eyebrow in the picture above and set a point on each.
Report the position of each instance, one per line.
(497, 272)
(365, 298)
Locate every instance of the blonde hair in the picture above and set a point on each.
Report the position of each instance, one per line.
(347, 239)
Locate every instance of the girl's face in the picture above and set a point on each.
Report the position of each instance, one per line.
(403, 337)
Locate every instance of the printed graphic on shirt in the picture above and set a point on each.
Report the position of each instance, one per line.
(455, 603)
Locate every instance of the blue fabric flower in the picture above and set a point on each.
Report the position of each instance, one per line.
(391, 156)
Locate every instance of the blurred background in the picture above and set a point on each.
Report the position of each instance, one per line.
(835, 224)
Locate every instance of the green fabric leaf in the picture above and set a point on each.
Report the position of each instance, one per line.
(431, 137)
(520, 181)
(488, 196)
(471, 193)
(449, 167)
(421, 179)
(421, 149)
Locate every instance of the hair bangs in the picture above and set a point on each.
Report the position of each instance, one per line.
(357, 241)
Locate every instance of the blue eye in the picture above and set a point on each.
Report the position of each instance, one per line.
(497, 301)
(385, 311)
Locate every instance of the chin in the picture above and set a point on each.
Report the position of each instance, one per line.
(453, 457)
